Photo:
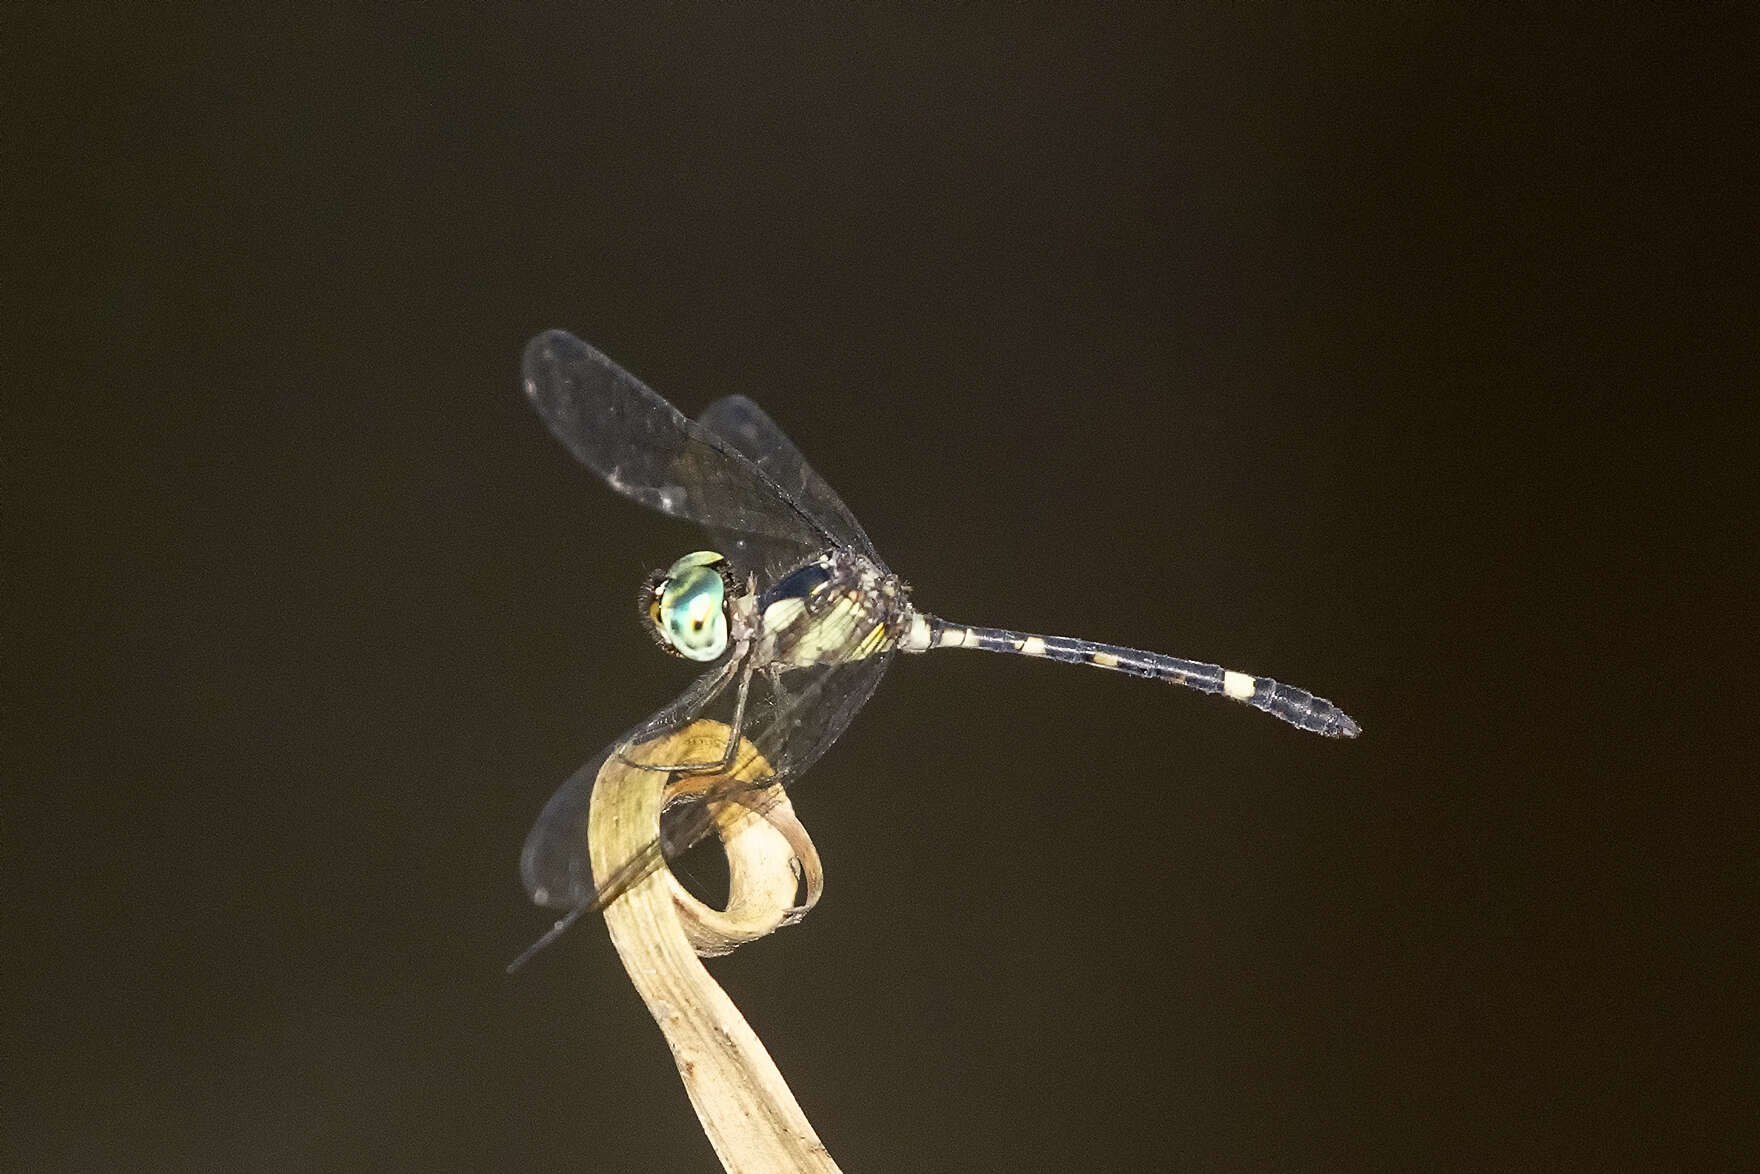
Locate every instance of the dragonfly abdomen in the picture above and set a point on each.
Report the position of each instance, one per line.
(1298, 707)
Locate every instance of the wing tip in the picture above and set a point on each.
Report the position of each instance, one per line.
(549, 348)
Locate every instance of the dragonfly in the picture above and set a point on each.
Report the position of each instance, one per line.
(794, 611)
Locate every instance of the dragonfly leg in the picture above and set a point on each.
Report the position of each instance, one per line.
(717, 765)
(774, 672)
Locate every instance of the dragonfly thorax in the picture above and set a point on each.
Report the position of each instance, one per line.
(837, 608)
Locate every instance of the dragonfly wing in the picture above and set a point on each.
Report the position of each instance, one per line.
(554, 864)
(750, 431)
(803, 713)
(644, 448)
(790, 721)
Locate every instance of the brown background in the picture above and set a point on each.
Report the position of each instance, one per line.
(1397, 354)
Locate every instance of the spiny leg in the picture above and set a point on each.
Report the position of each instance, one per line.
(715, 766)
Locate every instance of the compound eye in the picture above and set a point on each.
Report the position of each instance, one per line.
(691, 611)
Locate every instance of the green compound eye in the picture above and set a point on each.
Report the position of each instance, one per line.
(690, 608)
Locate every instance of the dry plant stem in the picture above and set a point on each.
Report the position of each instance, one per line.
(659, 929)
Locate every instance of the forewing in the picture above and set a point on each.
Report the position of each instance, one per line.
(647, 450)
(806, 712)
(790, 727)
(554, 864)
(750, 431)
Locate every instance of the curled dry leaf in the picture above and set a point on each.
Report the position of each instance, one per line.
(659, 930)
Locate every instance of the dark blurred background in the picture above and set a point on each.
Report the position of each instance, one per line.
(1400, 354)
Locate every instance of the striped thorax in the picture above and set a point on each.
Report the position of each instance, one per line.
(839, 607)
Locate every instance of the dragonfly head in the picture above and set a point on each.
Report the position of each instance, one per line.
(685, 608)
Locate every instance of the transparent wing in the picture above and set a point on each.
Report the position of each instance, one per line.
(791, 719)
(646, 450)
(554, 864)
(754, 435)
